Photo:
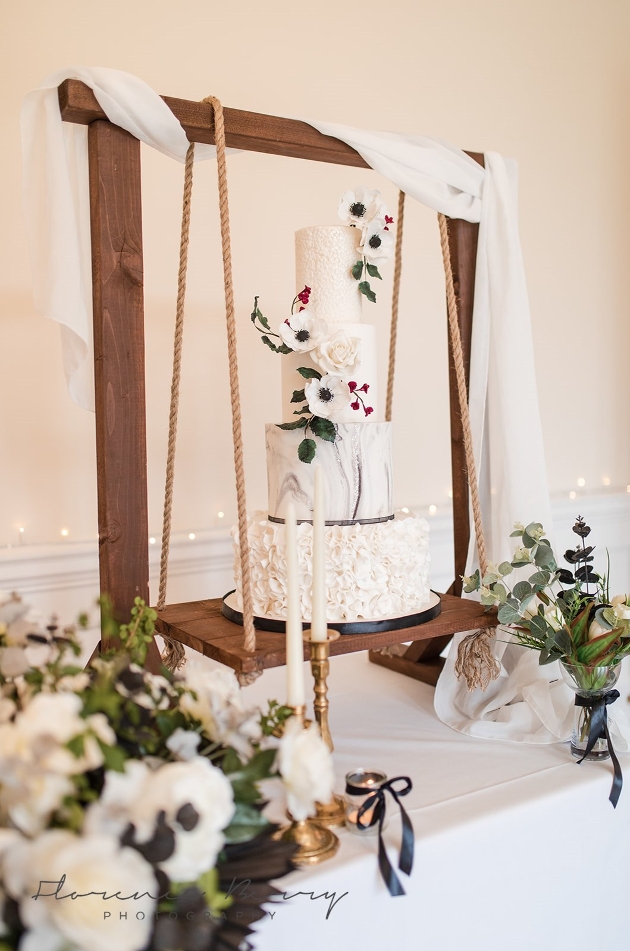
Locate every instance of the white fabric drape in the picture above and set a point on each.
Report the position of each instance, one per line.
(503, 402)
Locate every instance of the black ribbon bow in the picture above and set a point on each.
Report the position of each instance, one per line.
(599, 730)
(377, 803)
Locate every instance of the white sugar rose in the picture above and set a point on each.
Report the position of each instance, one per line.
(327, 396)
(360, 206)
(196, 801)
(338, 353)
(81, 864)
(376, 243)
(302, 332)
(306, 768)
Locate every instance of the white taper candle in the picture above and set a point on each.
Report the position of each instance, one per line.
(294, 642)
(318, 600)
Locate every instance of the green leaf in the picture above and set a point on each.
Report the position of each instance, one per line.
(281, 349)
(592, 651)
(505, 568)
(544, 558)
(547, 657)
(508, 614)
(298, 396)
(114, 757)
(540, 578)
(246, 823)
(300, 412)
(259, 766)
(373, 271)
(263, 320)
(500, 592)
(528, 541)
(516, 534)
(309, 373)
(563, 641)
(245, 791)
(606, 617)
(323, 428)
(76, 745)
(580, 626)
(357, 270)
(231, 762)
(307, 450)
(367, 291)
(522, 590)
(539, 627)
(297, 424)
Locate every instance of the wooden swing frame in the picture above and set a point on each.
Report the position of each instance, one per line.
(119, 377)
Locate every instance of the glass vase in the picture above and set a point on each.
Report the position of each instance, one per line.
(591, 684)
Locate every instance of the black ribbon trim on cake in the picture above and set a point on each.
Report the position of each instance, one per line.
(598, 730)
(377, 802)
(349, 521)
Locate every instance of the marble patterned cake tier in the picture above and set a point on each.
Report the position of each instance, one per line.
(357, 471)
(324, 257)
(372, 571)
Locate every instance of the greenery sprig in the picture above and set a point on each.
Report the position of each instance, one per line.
(323, 428)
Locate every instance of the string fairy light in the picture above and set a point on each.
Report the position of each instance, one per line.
(432, 509)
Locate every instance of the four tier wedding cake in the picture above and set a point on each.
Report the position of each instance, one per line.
(377, 564)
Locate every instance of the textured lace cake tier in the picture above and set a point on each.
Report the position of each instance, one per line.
(357, 471)
(324, 257)
(372, 571)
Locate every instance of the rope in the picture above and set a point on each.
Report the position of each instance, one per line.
(395, 299)
(475, 658)
(248, 609)
(174, 655)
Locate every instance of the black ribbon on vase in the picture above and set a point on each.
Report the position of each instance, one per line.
(598, 730)
(377, 804)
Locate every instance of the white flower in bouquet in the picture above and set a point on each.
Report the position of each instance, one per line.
(337, 353)
(151, 691)
(302, 332)
(217, 702)
(29, 795)
(327, 396)
(621, 607)
(305, 765)
(376, 243)
(360, 206)
(89, 864)
(183, 744)
(193, 799)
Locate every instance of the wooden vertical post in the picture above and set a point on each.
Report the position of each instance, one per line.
(117, 282)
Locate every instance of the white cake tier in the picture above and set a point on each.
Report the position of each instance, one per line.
(357, 470)
(363, 371)
(323, 259)
(372, 571)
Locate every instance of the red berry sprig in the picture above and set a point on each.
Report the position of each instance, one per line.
(359, 401)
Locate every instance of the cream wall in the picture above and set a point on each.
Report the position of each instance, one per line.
(545, 82)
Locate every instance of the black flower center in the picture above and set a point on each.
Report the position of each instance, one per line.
(302, 336)
(357, 210)
(325, 395)
(375, 241)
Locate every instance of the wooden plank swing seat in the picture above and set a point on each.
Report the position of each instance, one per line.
(120, 403)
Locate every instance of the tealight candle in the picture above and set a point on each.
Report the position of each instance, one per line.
(360, 784)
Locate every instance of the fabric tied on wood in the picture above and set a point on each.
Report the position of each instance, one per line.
(376, 806)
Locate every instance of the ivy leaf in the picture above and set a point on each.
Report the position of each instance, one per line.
(309, 373)
(298, 396)
(323, 428)
(297, 424)
(373, 271)
(281, 349)
(263, 320)
(357, 270)
(365, 289)
(306, 450)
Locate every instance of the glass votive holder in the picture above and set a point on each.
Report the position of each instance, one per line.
(361, 783)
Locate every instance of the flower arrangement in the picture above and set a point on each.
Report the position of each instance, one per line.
(129, 802)
(566, 615)
(336, 353)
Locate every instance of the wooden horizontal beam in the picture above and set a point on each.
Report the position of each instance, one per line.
(251, 131)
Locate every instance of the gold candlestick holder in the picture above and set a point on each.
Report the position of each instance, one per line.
(328, 813)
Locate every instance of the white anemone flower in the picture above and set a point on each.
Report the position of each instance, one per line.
(217, 702)
(327, 396)
(306, 768)
(361, 206)
(101, 875)
(194, 798)
(376, 243)
(337, 353)
(302, 332)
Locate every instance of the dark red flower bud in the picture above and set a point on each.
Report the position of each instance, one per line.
(364, 388)
(368, 410)
(388, 220)
(352, 386)
(355, 405)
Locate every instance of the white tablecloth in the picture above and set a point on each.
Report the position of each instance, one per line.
(517, 847)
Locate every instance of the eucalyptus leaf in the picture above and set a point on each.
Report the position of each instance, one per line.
(505, 568)
(539, 627)
(542, 577)
(508, 615)
(522, 590)
(544, 558)
(500, 592)
(528, 541)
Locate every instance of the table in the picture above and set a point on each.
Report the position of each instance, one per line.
(517, 847)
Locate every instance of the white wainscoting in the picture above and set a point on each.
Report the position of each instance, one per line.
(63, 578)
